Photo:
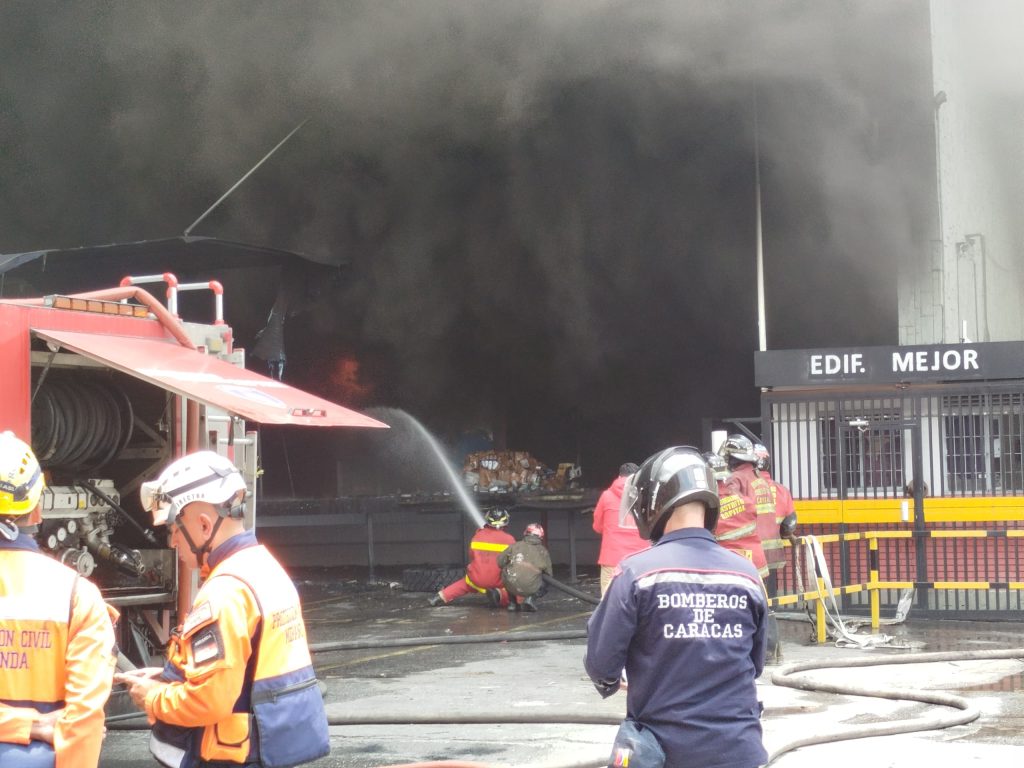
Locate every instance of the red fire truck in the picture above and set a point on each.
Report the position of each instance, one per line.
(109, 386)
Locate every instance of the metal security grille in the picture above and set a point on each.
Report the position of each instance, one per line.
(868, 451)
(843, 448)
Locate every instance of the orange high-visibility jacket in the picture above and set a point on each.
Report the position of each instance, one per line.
(57, 651)
(247, 590)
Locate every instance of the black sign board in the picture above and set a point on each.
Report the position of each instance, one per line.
(881, 365)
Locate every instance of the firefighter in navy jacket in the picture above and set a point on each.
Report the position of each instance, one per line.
(687, 620)
(238, 684)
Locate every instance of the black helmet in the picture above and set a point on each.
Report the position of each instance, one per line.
(737, 449)
(664, 481)
(764, 459)
(497, 518)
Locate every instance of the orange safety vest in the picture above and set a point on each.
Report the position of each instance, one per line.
(737, 528)
(217, 689)
(57, 651)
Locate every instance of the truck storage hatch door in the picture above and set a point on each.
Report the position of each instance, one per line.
(171, 366)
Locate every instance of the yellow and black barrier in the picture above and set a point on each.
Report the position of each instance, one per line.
(824, 591)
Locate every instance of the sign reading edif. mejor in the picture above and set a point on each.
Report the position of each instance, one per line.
(881, 365)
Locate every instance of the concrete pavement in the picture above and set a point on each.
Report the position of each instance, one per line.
(545, 680)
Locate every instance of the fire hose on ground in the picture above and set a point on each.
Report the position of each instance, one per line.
(571, 591)
(964, 713)
(791, 676)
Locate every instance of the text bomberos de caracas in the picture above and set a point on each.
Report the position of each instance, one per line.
(703, 606)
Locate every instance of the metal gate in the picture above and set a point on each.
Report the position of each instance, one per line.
(939, 464)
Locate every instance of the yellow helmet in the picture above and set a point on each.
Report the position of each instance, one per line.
(21, 477)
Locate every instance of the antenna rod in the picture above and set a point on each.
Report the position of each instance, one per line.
(762, 331)
(238, 183)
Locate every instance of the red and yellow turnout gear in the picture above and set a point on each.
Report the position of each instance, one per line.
(483, 571)
(784, 508)
(748, 483)
(737, 527)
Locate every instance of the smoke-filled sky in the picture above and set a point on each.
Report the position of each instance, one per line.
(547, 207)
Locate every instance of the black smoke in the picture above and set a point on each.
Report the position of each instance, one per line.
(546, 208)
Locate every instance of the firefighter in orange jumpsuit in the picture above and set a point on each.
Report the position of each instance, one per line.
(737, 518)
(483, 574)
(56, 636)
(745, 481)
(238, 685)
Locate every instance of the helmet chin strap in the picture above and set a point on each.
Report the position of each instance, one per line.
(8, 529)
(203, 551)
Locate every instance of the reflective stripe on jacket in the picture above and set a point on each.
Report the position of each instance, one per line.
(784, 507)
(57, 651)
(483, 571)
(687, 619)
(737, 528)
(746, 481)
(247, 595)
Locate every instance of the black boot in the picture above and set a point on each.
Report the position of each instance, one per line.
(773, 653)
(436, 599)
(528, 605)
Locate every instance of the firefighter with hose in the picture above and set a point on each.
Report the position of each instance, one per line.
(687, 619)
(483, 574)
(56, 635)
(239, 683)
(523, 567)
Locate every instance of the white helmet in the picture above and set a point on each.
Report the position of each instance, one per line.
(201, 476)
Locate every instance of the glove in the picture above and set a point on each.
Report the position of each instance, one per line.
(787, 528)
(608, 687)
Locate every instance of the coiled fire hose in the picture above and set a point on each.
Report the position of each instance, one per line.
(965, 711)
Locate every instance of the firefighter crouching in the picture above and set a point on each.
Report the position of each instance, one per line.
(238, 686)
(56, 636)
(687, 620)
(523, 566)
(483, 574)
